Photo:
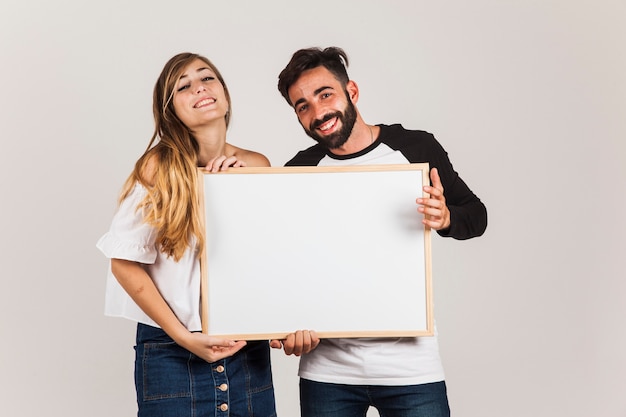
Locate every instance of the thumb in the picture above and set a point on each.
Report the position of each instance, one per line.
(276, 344)
(222, 342)
(434, 178)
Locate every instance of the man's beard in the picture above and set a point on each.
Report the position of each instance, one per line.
(337, 139)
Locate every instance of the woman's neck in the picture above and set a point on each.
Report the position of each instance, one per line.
(211, 143)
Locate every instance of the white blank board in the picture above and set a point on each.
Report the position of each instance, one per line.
(341, 251)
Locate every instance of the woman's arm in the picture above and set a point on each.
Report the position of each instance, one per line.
(140, 287)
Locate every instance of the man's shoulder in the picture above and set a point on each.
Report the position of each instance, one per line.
(308, 157)
(397, 130)
(416, 145)
(397, 135)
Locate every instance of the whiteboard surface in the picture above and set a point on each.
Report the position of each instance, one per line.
(340, 252)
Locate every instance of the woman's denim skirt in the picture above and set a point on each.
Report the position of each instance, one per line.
(172, 382)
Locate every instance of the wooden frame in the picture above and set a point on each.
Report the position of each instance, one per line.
(339, 250)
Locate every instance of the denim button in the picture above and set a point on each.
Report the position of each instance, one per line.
(223, 387)
(224, 407)
(219, 368)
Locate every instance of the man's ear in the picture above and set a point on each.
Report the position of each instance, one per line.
(353, 91)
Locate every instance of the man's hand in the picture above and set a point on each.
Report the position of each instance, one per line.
(434, 208)
(298, 343)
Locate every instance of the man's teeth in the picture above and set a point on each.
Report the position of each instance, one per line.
(328, 125)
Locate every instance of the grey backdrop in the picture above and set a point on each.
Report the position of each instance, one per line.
(528, 97)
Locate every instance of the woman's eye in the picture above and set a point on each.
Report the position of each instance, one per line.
(208, 78)
(184, 87)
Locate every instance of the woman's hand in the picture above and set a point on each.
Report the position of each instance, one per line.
(210, 348)
(138, 284)
(222, 163)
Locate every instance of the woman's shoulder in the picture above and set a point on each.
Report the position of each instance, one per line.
(251, 158)
(148, 166)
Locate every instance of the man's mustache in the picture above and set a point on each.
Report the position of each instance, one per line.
(318, 122)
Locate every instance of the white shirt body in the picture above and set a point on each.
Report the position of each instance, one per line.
(131, 239)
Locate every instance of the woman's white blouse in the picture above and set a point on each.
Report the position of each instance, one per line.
(131, 239)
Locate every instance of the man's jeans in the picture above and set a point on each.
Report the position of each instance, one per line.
(318, 399)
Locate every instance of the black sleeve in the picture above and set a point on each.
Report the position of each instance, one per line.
(308, 157)
(468, 215)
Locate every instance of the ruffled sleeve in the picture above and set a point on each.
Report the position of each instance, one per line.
(129, 237)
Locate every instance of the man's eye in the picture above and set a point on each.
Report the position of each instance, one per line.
(301, 109)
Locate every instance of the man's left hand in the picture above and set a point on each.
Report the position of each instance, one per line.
(434, 208)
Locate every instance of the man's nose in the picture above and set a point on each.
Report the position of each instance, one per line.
(319, 111)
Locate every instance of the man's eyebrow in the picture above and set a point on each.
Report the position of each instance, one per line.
(316, 92)
(319, 90)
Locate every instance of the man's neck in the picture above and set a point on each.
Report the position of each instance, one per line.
(362, 136)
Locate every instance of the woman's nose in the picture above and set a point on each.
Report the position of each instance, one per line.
(199, 88)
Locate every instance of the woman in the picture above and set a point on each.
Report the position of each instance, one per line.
(153, 244)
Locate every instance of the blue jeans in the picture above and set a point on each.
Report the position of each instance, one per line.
(172, 382)
(319, 399)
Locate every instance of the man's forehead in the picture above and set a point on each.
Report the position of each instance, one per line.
(313, 82)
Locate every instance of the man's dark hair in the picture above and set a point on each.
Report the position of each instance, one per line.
(334, 59)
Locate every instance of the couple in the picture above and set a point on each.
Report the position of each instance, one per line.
(155, 238)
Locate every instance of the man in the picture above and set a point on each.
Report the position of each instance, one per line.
(399, 376)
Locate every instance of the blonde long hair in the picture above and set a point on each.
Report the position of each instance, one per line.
(168, 169)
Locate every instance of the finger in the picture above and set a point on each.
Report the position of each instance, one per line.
(438, 221)
(237, 346)
(430, 208)
(306, 342)
(219, 162)
(288, 344)
(299, 343)
(436, 189)
(432, 213)
(429, 204)
(221, 342)
(216, 163)
(218, 352)
(432, 224)
(435, 179)
(310, 341)
(211, 165)
(230, 346)
(227, 162)
(433, 192)
(314, 339)
(276, 344)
